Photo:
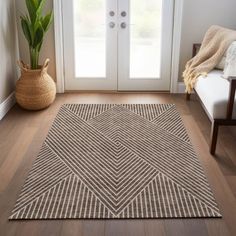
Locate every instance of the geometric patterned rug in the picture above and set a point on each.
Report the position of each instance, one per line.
(116, 161)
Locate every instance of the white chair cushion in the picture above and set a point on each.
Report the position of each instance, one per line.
(213, 91)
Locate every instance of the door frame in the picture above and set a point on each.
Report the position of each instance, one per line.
(59, 42)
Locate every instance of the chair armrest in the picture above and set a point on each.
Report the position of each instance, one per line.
(196, 48)
(230, 107)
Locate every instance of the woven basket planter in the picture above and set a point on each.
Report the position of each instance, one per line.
(35, 90)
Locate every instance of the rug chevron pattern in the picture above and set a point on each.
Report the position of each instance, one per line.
(116, 161)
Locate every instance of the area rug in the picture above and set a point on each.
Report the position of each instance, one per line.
(116, 161)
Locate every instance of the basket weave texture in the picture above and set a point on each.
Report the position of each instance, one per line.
(35, 90)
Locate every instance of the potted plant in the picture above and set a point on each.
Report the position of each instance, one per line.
(35, 89)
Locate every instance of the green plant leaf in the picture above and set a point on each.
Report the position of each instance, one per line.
(40, 46)
(41, 4)
(39, 34)
(32, 9)
(26, 30)
(30, 27)
(34, 26)
(46, 21)
(36, 2)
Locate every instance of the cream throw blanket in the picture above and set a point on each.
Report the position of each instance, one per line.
(215, 43)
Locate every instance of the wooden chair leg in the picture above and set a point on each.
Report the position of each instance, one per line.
(188, 96)
(214, 135)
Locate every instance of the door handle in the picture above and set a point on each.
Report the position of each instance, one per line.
(123, 13)
(112, 25)
(111, 13)
(123, 25)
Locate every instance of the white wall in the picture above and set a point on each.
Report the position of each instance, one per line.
(48, 48)
(8, 49)
(198, 16)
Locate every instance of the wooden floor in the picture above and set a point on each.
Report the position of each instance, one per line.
(22, 134)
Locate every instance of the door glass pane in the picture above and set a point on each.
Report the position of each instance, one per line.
(145, 38)
(90, 38)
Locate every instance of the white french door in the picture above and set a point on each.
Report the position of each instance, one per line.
(117, 44)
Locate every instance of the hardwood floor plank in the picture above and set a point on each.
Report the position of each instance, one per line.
(154, 227)
(125, 227)
(231, 180)
(135, 227)
(15, 156)
(227, 141)
(93, 227)
(217, 228)
(195, 227)
(52, 229)
(115, 228)
(23, 228)
(72, 228)
(174, 227)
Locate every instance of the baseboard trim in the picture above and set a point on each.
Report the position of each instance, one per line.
(7, 105)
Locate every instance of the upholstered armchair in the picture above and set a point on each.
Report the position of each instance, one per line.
(217, 96)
